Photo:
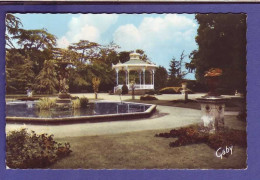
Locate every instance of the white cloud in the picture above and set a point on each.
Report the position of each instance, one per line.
(160, 37)
(63, 42)
(87, 27)
(132, 34)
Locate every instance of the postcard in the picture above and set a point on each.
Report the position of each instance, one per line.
(97, 87)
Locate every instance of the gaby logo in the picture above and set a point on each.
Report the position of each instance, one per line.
(222, 151)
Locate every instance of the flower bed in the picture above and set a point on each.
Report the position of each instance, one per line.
(200, 134)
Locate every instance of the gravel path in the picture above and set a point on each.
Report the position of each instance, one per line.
(165, 117)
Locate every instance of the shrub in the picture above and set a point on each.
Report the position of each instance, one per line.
(124, 89)
(150, 92)
(46, 103)
(148, 98)
(170, 90)
(200, 134)
(83, 102)
(28, 150)
(173, 90)
(196, 86)
(76, 104)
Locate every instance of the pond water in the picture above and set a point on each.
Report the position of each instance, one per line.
(29, 109)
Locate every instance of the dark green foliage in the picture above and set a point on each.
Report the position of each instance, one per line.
(101, 66)
(176, 74)
(196, 86)
(46, 81)
(222, 44)
(160, 78)
(19, 73)
(150, 92)
(143, 56)
(37, 45)
(124, 89)
(87, 50)
(36, 39)
(29, 150)
(83, 102)
(124, 56)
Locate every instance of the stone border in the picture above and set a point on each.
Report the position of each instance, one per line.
(90, 119)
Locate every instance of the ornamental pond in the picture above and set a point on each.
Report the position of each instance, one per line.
(27, 111)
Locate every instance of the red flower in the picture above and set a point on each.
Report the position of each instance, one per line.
(213, 72)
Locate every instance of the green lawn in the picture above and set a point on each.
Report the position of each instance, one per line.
(141, 150)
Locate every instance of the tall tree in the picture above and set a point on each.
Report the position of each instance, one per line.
(160, 78)
(88, 50)
(191, 66)
(46, 81)
(109, 53)
(19, 73)
(124, 56)
(176, 73)
(96, 61)
(36, 39)
(13, 27)
(222, 44)
(36, 45)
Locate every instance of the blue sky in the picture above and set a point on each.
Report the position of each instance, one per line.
(161, 36)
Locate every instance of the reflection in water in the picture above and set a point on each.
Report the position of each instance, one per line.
(44, 113)
(29, 109)
(76, 112)
(29, 104)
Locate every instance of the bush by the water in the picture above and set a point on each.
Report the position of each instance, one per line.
(83, 102)
(29, 150)
(124, 89)
(148, 98)
(46, 103)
